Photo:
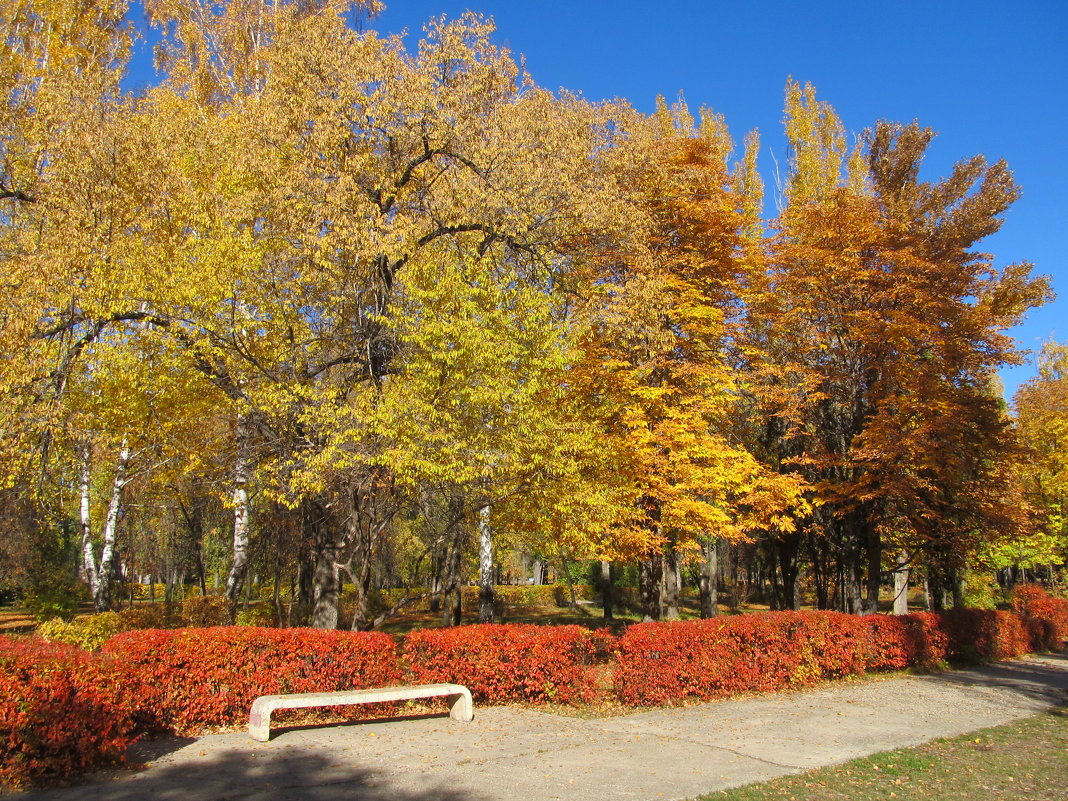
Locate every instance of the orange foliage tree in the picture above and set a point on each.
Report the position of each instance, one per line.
(666, 308)
(875, 341)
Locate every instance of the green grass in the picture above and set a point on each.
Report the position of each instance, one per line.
(1022, 761)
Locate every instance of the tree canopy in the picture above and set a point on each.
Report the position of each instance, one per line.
(341, 301)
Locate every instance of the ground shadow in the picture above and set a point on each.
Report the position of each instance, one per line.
(282, 728)
(1045, 682)
(149, 749)
(242, 775)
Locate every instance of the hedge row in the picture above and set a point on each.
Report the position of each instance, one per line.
(662, 663)
(506, 662)
(189, 679)
(665, 663)
(64, 711)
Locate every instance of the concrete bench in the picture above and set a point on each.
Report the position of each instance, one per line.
(259, 719)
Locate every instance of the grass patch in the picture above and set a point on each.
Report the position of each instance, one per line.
(1022, 761)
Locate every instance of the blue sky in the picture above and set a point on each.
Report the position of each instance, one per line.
(990, 77)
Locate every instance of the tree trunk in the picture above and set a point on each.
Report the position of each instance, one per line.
(901, 584)
(709, 583)
(936, 593)
(453, 614)
(786, 548)
(436, 585)
(821, 569)
(606, 588)
(168, 578)
(851, 577)
(325, 593)
(672, 580)
(485, 567)
(102, 591)
(363, 556)
(323, 563)
(875, 572)
(570, 581)
(650, 571)
(241, 478)
(956, 587)
(276, 596)
(88, 556)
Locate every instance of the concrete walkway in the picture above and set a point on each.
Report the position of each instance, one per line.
(511, 753)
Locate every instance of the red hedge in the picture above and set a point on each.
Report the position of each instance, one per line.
(984, 634)
(663, 663)
(1046, 618)
(190, 679)
(62, 711)
(508, 662)
(900, 641)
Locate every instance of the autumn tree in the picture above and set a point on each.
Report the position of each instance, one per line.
(60, 65)
(657, 348)
(881, 329)
(301, 237)
(1041, 407)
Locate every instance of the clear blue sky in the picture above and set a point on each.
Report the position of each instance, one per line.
(990, 77)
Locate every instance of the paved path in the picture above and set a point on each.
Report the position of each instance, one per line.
(511, 753)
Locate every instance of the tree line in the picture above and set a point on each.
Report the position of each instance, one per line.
(369, 313)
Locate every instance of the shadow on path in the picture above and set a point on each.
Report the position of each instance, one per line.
(278, 728)
(1041, 679)
(240, 775)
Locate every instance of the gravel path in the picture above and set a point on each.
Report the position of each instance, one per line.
(512, 753)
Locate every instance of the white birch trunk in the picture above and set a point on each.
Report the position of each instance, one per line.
(239, 566)
(102, 591)
(88, 557)
(485, 566)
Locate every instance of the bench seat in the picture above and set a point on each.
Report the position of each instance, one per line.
(259, 719)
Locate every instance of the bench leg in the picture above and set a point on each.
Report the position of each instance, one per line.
(460, 706)
(259, 724)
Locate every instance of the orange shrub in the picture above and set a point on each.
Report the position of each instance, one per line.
(62, 711)
(663, 663)
(1025, 594)
(1047, 623)
(500, 663)
(900, 641)
(191, 679)
(984, 634)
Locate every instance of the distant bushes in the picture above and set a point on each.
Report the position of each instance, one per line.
(504, 595)
(91, 631)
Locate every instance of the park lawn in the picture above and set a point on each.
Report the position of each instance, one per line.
(1022, 761)
(14, 620)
